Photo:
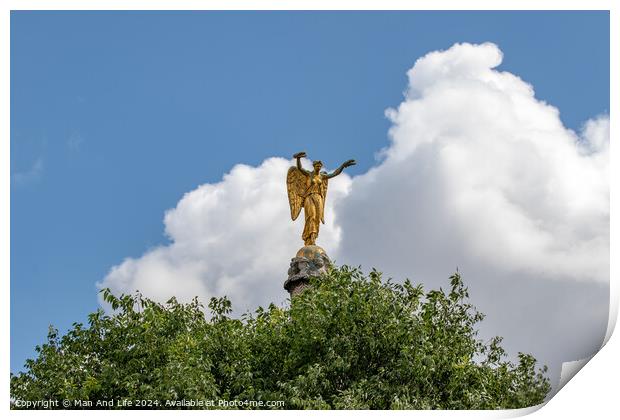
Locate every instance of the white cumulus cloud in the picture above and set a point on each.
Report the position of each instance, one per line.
(231, 238)
(479, 166)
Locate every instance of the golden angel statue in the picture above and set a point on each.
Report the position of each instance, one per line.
(308, 190)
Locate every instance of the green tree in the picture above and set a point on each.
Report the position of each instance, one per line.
(349, 342)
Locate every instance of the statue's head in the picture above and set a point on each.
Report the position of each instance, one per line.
(317, 165)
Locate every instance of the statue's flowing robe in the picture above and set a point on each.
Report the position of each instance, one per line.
(308, 191)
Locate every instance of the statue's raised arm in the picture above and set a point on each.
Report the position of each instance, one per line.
(338, 171)
(298, 156)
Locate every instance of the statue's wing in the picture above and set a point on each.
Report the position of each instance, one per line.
(324, 194)
(296, 187)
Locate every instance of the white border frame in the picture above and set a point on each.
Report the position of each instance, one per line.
(592, 394)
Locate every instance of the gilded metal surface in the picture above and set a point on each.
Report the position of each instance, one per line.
(308, 189)
(311, 251)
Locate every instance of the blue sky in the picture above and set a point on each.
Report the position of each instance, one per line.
(115, 115)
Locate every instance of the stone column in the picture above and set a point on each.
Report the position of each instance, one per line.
(310, 261)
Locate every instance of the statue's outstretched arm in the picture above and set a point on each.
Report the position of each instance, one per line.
(338, 171)
(298, 156)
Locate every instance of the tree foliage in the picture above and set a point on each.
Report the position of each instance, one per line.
(349, 342)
